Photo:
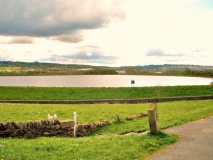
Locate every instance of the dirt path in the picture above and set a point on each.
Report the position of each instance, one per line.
(196, 142)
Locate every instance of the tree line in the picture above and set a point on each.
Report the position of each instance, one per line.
(187, 72)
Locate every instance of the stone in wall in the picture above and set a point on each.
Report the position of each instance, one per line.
(141, 115)
(85, 129)
(66, 123)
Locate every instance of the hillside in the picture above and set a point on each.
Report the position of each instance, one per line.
(37, 68)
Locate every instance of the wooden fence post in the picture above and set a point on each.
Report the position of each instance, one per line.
(153, 118)
(75, 124)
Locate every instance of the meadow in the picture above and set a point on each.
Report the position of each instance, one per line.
(109, 142)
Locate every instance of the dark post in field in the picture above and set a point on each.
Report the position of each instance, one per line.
(153, 118)
(132, 83)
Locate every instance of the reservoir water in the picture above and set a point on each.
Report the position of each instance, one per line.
(101, 81)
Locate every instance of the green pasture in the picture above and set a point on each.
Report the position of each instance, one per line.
(170, 113)
(84, 93)
(106, 143)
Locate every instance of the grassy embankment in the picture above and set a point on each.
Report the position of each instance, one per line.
(106, 143)
(68, 93)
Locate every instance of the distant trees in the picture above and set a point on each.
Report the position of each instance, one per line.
(101, 71)
(130, 70)
(39, 68)
(169, 72)
(189, 73)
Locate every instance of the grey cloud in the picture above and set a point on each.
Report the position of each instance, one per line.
(92, 57)
(73, 38)
(155, 53)
(158, 52)
(19, 40)
(52, 18)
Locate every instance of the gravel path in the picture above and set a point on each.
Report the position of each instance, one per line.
(195, 143)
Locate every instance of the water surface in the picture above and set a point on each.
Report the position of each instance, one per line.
(101, 81)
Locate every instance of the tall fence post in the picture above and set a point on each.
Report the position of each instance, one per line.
(75, 124)
(153, 118)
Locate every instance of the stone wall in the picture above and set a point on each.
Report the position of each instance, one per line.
(55, 127)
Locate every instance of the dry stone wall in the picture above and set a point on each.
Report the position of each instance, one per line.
(55, 127)
(112, 101)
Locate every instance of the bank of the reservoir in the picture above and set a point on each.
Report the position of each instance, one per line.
(96, 93)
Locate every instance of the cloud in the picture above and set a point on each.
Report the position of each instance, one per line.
(53, 18)
(160, 53)
(155, 53)
(198, 50)
(95, 55)
(19, 40)
(88, 47)
(72, 38)
(92, 55)
(86, 57)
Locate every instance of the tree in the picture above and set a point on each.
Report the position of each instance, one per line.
(130, 70)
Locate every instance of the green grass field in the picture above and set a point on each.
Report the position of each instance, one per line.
(89, 148)
(170, 113)
(68, 93)
(106, 143)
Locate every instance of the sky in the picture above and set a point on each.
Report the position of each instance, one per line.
(107, 32)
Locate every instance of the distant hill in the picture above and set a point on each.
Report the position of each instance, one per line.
(170, 69)
(164, 67)
(40, 65)
(40, 68)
